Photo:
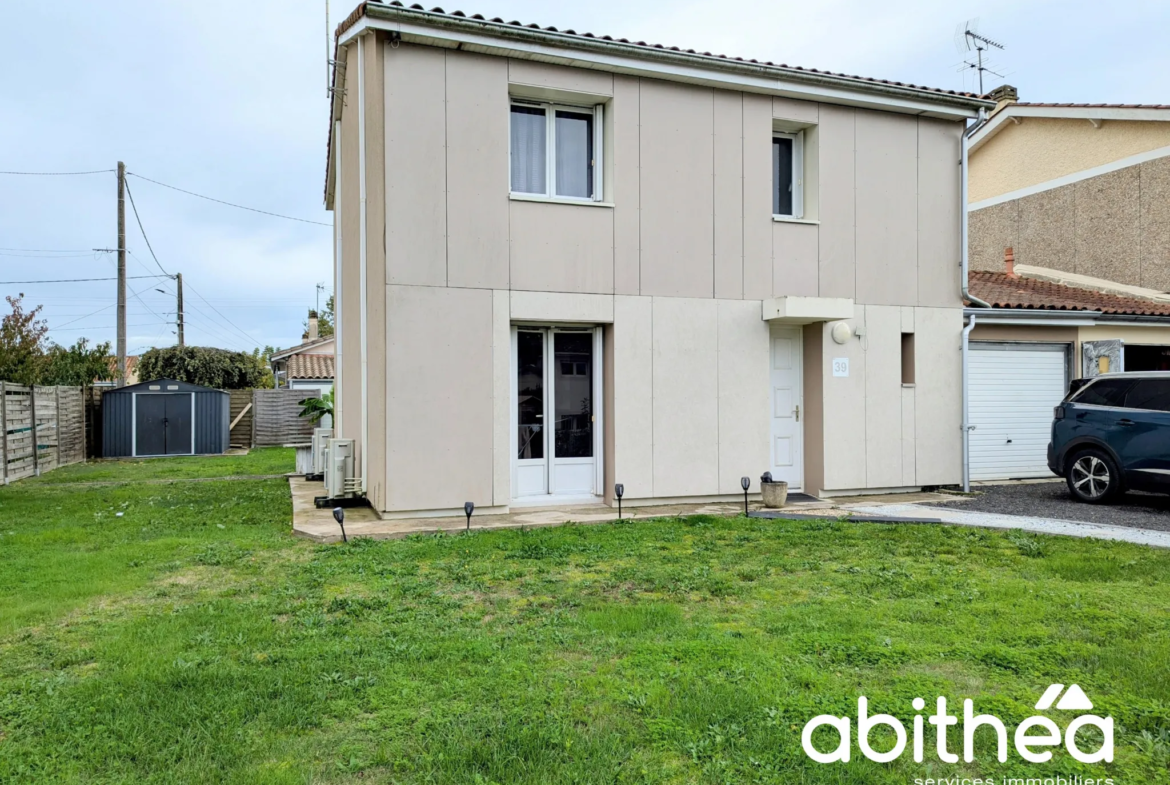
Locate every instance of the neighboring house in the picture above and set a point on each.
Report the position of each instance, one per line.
(1070, 243)
(567, 261)
(131, 372)
(308, 366)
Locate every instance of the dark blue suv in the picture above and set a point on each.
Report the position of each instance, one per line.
(1111, 434)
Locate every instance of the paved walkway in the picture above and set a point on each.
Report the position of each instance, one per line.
(319, 526)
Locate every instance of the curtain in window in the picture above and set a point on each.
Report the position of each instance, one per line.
(529, 143)
(574, 143)
(782, 176)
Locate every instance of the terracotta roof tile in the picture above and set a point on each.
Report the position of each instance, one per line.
(1091, 106)
(310, 366)
(1003, 291)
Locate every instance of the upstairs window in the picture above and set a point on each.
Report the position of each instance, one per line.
(788, 175)
(556, 151)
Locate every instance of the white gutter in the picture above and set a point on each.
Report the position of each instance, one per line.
(967, 405)
(361, 106)
(964, 233)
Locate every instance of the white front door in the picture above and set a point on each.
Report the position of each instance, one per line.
(787, 406)
(556, 402)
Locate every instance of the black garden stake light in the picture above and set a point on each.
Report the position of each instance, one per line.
(339, 516)
(468, 508)
(746, 482)
(618, 490)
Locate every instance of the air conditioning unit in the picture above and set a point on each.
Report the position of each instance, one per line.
(321, 438)
(340, 481)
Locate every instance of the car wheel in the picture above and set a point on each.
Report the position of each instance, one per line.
(1093, 477)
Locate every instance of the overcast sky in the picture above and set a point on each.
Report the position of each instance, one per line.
(227, 98)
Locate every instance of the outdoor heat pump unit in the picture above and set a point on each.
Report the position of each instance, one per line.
(340, 481)
(321, 438)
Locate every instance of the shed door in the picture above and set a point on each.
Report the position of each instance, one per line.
(178, 421)
(1014, 388)
(150, 434)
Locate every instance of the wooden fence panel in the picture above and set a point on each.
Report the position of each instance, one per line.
(42, 428)
(241, 410)
(276, 417)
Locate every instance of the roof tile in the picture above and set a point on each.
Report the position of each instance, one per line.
(310, 366)
(1004, 291)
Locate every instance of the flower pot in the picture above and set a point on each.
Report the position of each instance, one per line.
(775, 494)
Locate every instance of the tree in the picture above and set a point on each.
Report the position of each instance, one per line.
(77, 365)
(207, 366)
(22, 349)
(325, 321)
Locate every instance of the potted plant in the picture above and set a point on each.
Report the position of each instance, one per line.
(775, 493)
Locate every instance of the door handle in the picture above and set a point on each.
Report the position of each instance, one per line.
(1125, 421)
(797, 412)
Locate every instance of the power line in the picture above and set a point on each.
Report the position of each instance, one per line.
(229, 321)
(48, 256)
(78, 280)
(144, 237)
(59, 174)
(229, 204)
(49, 250)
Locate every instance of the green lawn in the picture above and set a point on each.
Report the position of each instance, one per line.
(192, 639)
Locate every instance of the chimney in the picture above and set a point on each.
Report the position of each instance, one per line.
(1003, 95)
(1009, 264)
(312, 336)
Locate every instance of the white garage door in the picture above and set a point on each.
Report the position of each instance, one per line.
(1014, 388)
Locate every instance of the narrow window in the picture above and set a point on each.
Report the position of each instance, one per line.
(907, 358)
(782, 175)
(574, 135)
(529, 150)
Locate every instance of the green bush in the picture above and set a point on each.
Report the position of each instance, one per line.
(204, 365)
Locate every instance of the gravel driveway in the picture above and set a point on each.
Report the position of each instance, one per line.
(1052, 500)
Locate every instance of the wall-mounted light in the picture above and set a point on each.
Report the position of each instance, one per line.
(745, 482)
(468, 508)
(618, 491)
(841, 332)
(339, 516)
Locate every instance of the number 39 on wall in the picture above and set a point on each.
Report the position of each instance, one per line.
(841, 366)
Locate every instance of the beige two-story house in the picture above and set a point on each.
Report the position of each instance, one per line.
(565, 262)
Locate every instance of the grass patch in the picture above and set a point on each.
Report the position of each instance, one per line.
(158, 647)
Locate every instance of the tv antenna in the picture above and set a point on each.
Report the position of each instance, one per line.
(973, 47)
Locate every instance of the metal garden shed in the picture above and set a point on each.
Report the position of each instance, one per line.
(164, 417)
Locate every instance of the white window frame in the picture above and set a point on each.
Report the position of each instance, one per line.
(797, 138)
(550, 167)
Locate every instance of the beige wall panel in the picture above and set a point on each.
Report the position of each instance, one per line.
(757, 197)
(845, 412)
(1108, 227)
(375, 118)
(907, 319)
(558, 307)
(676, 163)
(883, 396)
(440, 411)
(909, 475)
(1047, 230)
(624, 113)
(416, 161)
(887, 221)
(814, 406)
(794, 259)
(632, 414)
(557, 77)
(938, 396)
(349, 291)
(561, 247)
(791, 109)
(686, 397)
(728, 186)
(838, 201)
(477, 170)
(501, 398)
(1155, 219)
(990, 230)
(744, 385)
(939, 210)
(1042, 149)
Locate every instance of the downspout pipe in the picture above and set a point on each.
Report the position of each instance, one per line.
(967, 426)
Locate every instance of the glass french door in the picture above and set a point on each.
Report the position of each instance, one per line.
(556, 387)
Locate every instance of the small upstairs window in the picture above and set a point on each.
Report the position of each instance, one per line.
(556, 151)
(788, 175)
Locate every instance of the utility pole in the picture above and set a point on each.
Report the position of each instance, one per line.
(121, 274)
(179, 319)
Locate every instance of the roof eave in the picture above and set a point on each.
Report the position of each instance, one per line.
(1018, 112)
